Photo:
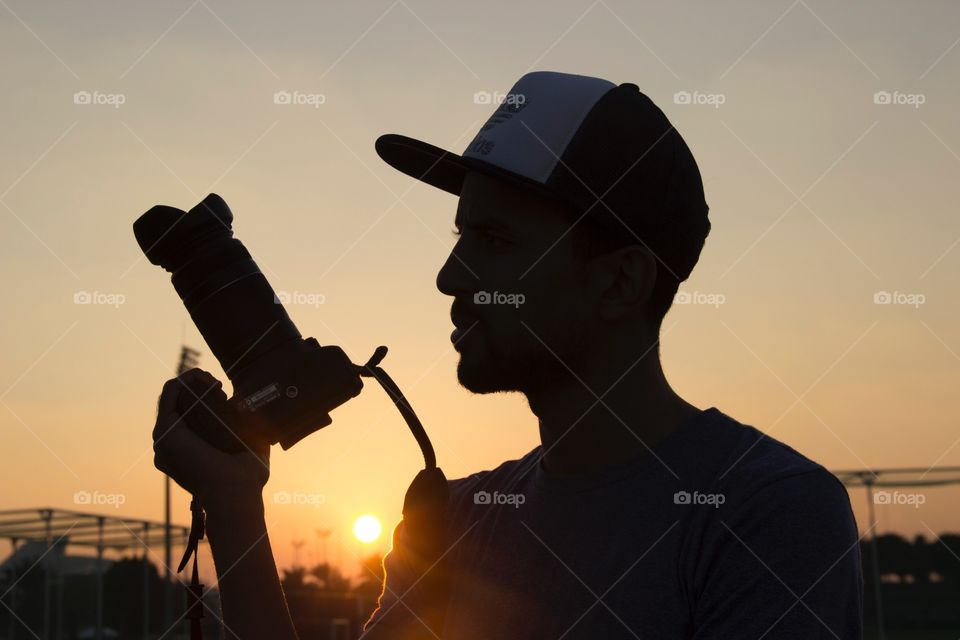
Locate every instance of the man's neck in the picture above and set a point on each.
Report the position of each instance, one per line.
(580, 434)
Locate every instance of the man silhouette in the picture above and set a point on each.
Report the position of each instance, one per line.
(640, 515)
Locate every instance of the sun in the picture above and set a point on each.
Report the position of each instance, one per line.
(367, 528)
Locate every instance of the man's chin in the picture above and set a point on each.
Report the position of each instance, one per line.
(484, 377)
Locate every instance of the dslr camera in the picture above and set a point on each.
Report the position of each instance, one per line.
(284, 385)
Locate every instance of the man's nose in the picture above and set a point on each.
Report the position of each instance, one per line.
(455, 277)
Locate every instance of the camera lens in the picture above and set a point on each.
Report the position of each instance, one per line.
(223, 289)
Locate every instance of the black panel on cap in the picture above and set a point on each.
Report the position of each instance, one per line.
(629, 154)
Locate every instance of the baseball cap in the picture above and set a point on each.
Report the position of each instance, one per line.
(604, 149)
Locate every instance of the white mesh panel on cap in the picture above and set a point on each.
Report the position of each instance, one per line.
(552, 106)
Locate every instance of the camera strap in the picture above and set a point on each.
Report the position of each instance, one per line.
(195, 589)
(372, 370)
(424, 506)
(424, 513)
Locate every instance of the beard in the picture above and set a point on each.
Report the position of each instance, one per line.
(522, 361)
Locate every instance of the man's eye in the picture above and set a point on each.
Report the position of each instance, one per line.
(491, 238)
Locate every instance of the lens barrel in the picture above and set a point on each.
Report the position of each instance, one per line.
(223, 289)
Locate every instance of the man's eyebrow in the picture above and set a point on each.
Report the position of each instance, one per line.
(491, 222)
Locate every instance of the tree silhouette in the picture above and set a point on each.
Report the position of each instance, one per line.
(320, 577)
(330, 578)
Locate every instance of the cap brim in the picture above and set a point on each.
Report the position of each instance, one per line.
(423, 161)
(444, 169)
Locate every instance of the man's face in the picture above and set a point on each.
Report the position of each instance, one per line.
(523, 310)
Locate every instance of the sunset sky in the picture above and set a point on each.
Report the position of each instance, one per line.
(824, 197)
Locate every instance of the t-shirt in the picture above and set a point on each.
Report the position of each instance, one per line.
(719, 531)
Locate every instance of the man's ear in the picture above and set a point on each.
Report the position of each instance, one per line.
(626, 277)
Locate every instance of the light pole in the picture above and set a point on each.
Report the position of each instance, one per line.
(322, 535)
(189, 358)
(297, 545)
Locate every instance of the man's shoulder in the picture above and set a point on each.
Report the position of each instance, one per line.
(715, 453)
(755, 465)
(784, 521)
(716, 449)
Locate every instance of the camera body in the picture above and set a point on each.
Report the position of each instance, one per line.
(284, 385)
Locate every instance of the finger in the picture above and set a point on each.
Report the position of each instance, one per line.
(168, 397)
(199, 377)
(201, 387)
(167, 414)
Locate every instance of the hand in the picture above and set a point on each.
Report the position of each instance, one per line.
(218, 479)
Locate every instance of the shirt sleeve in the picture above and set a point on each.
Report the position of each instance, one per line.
(412, 602)
(395, 616)
(785, 564)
